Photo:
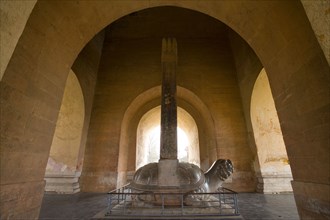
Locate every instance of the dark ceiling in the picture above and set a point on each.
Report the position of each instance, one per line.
(166, 21)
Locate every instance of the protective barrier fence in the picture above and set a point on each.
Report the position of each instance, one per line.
(125, 202)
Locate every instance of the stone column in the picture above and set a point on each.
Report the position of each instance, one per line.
(168, 135)
(168, 163)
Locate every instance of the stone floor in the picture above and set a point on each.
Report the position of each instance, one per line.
(252, 206)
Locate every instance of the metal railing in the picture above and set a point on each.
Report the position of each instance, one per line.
(124, 202)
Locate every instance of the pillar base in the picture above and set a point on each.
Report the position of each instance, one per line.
(167, 172)
(274, 183)
(64, 184)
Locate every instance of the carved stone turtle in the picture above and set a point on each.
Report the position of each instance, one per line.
(191, 177)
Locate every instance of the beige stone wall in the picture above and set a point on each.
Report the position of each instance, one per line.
(210, 74)
(86, 67)
(275, 172)
(267, 131)
(63, 157)
(61, 177)
(13, 18)
(248, 67)
(61, 171)
(318, 12)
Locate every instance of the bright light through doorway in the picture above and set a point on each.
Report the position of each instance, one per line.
(154, 139)
(148, 138)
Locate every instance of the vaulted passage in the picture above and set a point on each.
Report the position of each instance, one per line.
(81, 88)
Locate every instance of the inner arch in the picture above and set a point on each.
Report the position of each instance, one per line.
(148, 138)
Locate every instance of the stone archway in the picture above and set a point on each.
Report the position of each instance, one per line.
(274, 175)
(278, 31)
(62, 172)
(148, 100)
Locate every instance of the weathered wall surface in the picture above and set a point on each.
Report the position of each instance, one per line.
(248, 67)
(13, 17)
(275, 172)
(61, 167)
(86, 68)
(66, 142)
(131, 64)
(208, 70)
(119, 81)
(67, 151)
(318, 12)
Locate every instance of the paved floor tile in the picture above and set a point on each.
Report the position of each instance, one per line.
(252, 206)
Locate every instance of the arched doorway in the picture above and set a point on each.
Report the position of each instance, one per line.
(148, 138)
(61, 172)
(274, 175)
(198, 117)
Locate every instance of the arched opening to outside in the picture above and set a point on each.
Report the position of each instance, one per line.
(275, 172)
(150, 99)
(61, 172)
(148, 138)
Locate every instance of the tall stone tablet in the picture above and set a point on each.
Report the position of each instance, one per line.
(168, 162)
(168, 136)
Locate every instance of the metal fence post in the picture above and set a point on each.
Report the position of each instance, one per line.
(162, 195)
(124, 196)
(201, 202)
(181, 203)
(236, 204)
(219, 193)
(109, 203)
